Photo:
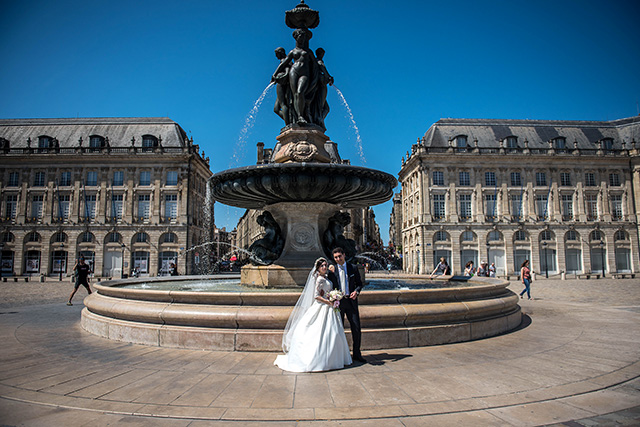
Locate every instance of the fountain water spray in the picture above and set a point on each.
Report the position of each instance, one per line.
(249, 122)
(354, 126)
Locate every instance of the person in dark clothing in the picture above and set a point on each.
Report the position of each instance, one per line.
(82, 272)
(173, 270)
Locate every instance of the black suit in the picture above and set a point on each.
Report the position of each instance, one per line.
(348, 306)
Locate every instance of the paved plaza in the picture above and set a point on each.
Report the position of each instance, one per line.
(574, 361)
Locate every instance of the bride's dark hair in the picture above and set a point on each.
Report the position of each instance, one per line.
(319, 262)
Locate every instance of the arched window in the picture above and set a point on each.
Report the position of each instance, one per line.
(114, 237)
(33, 237)
(560, 143)
(441, 236)
(620, 235)
(468, 236)
(595, 235)
(571, 235)
(59, 237)
(520, 236)
(169, 238)
(87, 237)
(45, 141)
(6, 237)
(461, 143)
(149, 142)
(142, 237)
(512, 142)
(96, 141)
(546, 235)
(494, 235)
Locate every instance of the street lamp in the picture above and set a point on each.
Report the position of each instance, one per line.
(61, 260)
(602, 256)
(546, 263)
(122, 261)
(488, 249)
(418, 246)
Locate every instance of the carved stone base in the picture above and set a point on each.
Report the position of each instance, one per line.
(273, 276)
(302, 144)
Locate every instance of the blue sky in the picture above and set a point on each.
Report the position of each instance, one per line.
(401, 67)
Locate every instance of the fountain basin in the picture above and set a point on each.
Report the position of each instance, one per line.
(253, 187)
(254, 320)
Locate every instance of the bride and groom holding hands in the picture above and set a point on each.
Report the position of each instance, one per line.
(314, 338)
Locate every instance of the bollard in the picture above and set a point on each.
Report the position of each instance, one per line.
(563, 275)
(42, 277)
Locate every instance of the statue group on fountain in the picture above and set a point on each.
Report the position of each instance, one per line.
(301, 83)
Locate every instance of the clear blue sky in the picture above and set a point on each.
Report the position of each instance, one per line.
(401, 66)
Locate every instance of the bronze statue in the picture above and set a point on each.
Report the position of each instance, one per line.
(333, 236)
(269, 248)
(283, 90)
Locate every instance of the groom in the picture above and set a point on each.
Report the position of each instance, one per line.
(346, 278)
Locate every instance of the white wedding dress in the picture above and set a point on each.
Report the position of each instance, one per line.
(317, 342)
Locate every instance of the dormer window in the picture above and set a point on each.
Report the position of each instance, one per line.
(461, 143)
(149, 142)
(512, 142)
(96, 141)
(45, 142)
(560, 144)
(607, 144)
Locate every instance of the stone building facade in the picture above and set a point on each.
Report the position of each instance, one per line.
(395, 222)
(562, 194)
(126, 193)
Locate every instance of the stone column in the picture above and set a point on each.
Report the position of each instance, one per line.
(508, 252)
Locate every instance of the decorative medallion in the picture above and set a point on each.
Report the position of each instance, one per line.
(303, 237)
(303, 151)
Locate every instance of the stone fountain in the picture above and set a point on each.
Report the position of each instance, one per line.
(305, 185)
(303, 191)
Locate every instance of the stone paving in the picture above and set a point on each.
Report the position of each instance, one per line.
(574, 361)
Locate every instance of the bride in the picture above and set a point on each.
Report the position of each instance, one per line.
(314, 338)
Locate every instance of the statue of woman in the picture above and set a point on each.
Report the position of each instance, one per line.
(321, 107)
(303, 75)
(283, 91)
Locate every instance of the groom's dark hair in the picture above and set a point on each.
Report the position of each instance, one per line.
(337, 250)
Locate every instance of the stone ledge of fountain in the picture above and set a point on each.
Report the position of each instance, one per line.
(254, 321)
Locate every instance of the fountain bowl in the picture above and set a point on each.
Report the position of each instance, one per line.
(253, 320)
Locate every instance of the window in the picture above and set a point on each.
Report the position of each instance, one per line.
(567, 206)
(145, 178)
(90, 206)
(96, 141)
(490, 205)
(92, 178)
(441, 236)
(172, 178)
(59, 237)
(86, 237)
(38, 179)
(438, 178)
(169, 238)
(516, 179)
(607, 144)
(438, 206)
(142, 238)
(118, 178)
(620, 235)
(141, 261)
(546, 235)
(565, 179)
(64, 204)
(614, 180)
(541, 179)
(468, 236)
(560, 143)
(148, 142)
(516, 206)
(465, 206)
(590, 179)
(596, 235)
(37, 202)
(512, 142)
(171, 206)
(33, 237)
(11, 206)
(144, 203)
(461, 143)
(14, 179)
(44, 142)
(6, 237)
(520, 236)
(616, 207)
(541, 206)
(117, 206)
(114, 237)
(463, 177)
(490, 179)
(572, 236)
(494, 236)
(591, 206)
(65, 179)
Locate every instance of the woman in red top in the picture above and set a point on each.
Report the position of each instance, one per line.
(525, 276)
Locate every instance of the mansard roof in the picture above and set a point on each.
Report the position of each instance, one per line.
(118, 130)
(489, 132)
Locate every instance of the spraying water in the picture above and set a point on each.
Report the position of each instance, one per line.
(249, 121)
(354, 126)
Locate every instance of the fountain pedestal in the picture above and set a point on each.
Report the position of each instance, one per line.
(302, 144)
(302, 226)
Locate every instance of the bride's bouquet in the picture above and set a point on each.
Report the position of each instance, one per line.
(335, 296)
